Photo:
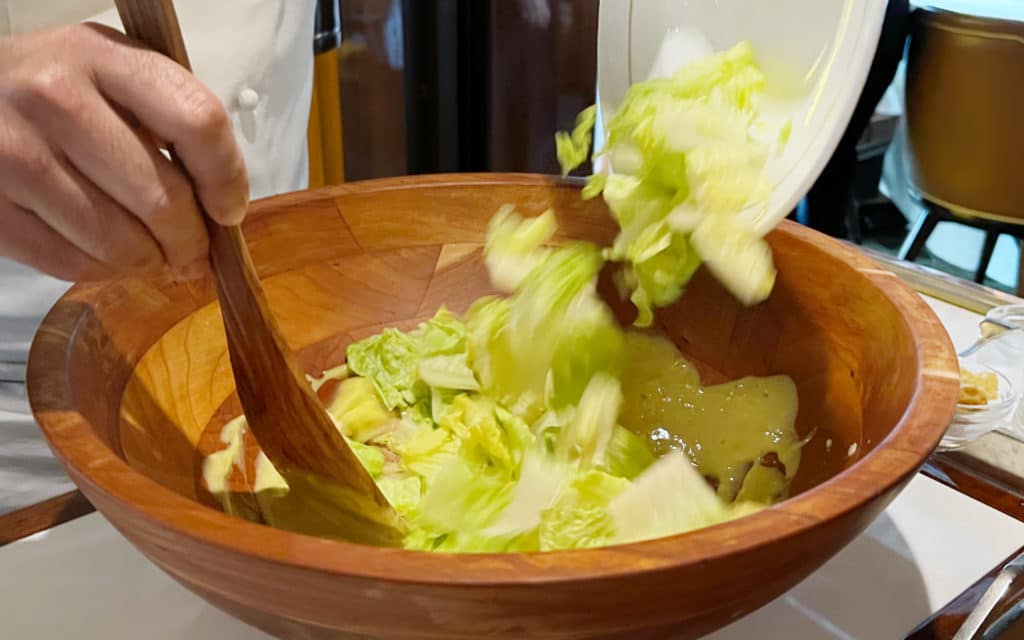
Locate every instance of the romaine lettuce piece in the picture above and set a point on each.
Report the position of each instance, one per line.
(388, 360)
(586, 435)
(393, 362)
(669, 498)
(572, 149)
(464, 498)
(541, 347)
(515, 246)
(685, 149)
(738, 257)
(448, 372)
(358, 410)
(542, 480)
(403, 492)
(427, 452)
(580, 518)
(628, 455)
(372, 457)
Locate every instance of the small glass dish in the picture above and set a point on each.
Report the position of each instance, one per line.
(972, 421)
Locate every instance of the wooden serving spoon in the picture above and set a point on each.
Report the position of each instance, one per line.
(289, 423)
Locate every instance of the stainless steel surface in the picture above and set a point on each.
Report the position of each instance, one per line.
(992, 596)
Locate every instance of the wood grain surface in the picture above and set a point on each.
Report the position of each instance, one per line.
(125, 376)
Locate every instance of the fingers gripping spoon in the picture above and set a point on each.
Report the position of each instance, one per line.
(338, 497)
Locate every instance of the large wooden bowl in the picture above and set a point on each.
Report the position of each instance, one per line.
(126, 377)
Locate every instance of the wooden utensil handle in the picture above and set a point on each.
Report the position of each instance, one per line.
(154, 23)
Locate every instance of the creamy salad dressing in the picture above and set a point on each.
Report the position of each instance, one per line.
(741, 435)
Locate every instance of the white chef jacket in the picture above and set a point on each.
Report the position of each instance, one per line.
(257, 57)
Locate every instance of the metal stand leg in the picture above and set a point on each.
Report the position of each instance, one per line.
(918, 236)
(991, 237)
(1020, 269)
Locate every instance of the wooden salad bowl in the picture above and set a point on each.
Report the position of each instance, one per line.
(128, 378)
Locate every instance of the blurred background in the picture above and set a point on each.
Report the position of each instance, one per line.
(421, 86)
(461, 85)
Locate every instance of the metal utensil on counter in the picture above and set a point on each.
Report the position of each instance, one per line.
(997, 322)
(992, 596)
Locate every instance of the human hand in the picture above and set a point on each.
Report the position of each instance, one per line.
(85, 192)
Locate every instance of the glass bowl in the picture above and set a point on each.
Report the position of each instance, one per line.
(973, 421)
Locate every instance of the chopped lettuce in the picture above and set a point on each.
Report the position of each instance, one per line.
(540, 347)
(427, 452)
(572, 149)
(628, 455)
(404, 493)
(388, 360)
(464, 498)
(357, 410)
(372, 457)
(514, 245)
(448, 372)
(542, 480)
(737, 256)
(687, 150)
(580, 518)
(586, 434)
(394, 361)
(670, 497)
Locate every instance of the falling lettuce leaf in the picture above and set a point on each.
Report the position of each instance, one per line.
(737, 256)
(685, 149)
(572, 149)
(514, 245)
(542, 345)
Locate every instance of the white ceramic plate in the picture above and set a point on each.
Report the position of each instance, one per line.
(816, 54)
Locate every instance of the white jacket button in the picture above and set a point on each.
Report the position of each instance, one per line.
(248, 99)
